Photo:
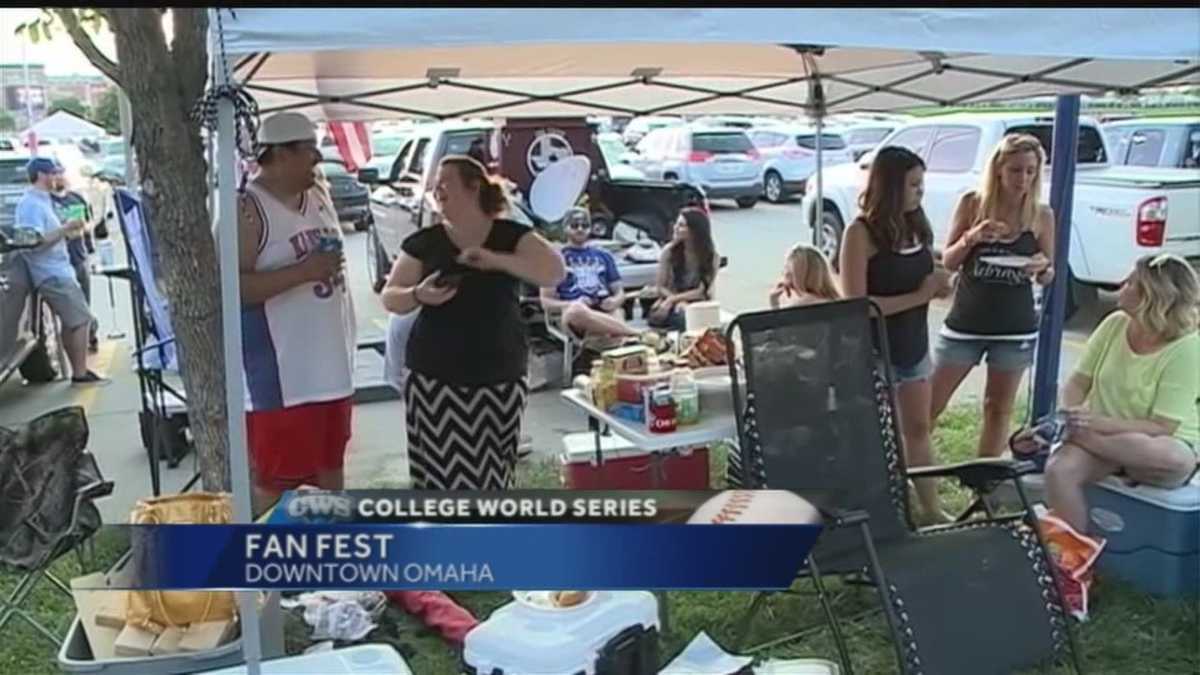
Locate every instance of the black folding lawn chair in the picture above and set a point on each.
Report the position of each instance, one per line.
(48, 482)
(815, 416)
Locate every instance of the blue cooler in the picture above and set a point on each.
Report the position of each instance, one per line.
(1153, 535)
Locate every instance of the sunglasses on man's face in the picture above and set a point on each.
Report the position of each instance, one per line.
(578, 225)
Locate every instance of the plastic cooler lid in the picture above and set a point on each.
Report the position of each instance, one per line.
(356, 660)
(581, 447)
(518, 640)
(1185, 498)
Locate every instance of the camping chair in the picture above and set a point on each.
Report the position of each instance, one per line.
(816, 417)
(163, 419)
(48, 482)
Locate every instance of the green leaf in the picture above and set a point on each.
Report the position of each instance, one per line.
(35, 31)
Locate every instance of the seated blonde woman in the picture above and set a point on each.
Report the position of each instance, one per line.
(806, 279)
(1131, 404)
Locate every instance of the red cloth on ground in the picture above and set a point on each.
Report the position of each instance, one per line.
(438, 611)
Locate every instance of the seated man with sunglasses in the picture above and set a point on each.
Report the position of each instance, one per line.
(591, 296)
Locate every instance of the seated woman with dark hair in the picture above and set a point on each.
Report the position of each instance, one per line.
(687, 270)
(1131, 404)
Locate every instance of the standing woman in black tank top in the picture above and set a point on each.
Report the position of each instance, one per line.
(886, 256)
(993, 309)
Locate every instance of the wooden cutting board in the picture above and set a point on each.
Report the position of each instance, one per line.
(87, 605)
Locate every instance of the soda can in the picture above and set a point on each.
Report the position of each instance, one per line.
(106, 251)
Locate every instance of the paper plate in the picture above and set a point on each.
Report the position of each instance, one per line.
(1006, 260)
(540, 600)
(557, 188)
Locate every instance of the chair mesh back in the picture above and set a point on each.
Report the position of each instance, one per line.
(43, 467)
(816, 415)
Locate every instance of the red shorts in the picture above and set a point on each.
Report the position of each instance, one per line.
(290, 446)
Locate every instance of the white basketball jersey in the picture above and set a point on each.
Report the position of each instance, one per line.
(298, 347)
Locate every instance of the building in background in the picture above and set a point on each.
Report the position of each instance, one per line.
(13, 94)
(86, 88)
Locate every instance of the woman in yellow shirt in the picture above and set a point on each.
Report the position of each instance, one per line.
(1132, 402)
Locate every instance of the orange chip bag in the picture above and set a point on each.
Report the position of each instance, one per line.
(1074, 555)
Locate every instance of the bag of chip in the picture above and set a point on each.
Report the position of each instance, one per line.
(1074, 555)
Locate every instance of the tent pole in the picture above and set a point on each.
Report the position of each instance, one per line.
(818, 109)
(1062, 196)
(231, 314)
(820, 220)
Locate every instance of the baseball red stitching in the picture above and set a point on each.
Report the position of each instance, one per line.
(735, 506)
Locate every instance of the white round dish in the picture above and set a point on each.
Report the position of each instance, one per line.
(1017, 261)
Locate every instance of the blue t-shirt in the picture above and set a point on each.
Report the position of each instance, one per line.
(590, 272)
(36, 211)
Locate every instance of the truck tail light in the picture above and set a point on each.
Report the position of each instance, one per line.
(1152, 222)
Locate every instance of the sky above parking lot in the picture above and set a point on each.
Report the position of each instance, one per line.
(59, 55)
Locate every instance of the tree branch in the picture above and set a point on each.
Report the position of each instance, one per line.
(70, 22)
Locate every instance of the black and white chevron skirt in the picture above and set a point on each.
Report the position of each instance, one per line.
(463, 438)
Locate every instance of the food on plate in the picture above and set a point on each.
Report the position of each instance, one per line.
(568, 598)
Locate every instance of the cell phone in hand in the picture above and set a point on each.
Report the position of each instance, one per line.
(450, 280)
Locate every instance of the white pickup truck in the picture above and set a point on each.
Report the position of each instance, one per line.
(1120, 212)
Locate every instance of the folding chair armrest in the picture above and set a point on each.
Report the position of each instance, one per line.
(96, 490)
(979, 474)
(834, 517)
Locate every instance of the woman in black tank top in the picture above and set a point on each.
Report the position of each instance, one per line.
(994, 228)
(886, 256)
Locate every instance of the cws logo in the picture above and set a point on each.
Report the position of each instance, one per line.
(318, 506)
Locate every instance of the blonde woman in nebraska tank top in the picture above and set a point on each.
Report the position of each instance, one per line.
(993, 310)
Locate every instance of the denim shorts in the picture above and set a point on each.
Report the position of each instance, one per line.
(1005, 355)
(913, 373)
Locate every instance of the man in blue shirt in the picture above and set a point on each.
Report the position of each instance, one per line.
(591, 294)
(70, 203)
(50, 268)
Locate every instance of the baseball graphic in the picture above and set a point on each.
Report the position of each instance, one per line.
(756, 507)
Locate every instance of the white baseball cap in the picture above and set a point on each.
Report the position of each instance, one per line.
(285, 127)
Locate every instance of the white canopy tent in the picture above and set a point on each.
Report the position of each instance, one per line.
(371, 64)
(65, 126)
(382, 63)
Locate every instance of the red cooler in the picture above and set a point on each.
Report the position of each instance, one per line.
(627, 467)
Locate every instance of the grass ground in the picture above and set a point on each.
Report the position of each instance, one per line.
(1129, 632)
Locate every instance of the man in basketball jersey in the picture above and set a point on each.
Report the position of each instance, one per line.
(298, 331)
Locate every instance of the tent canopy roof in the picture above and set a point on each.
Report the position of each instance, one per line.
(389, 63)
(64, 124)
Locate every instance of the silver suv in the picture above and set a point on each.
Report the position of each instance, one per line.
(720, 160)
(13, 182)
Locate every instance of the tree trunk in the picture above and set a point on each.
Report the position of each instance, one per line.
(162, 88)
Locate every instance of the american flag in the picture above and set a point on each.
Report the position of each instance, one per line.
(353, 143)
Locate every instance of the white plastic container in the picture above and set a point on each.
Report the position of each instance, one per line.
(700, 316)
(107, 253)
(613, 633)
(356, 660)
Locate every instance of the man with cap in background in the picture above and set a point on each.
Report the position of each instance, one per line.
(298, 330)
(50, 268)
(72, 204)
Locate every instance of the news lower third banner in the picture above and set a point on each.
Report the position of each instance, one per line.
(626, 540)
